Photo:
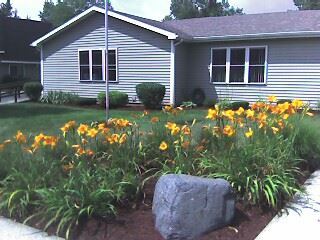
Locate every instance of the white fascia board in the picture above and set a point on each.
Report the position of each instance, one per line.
(274, 35)
(170, 35)
(2, 52)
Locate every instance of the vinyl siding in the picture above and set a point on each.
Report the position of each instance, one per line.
(181, 70)
(143, 56)
(293, 71)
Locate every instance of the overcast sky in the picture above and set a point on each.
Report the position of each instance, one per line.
(157, 9)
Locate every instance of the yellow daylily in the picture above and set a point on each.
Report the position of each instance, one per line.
(272, 99)
(249, 133)
(163, 146)
(20, 137)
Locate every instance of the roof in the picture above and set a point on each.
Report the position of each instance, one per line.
(16, 35)
(289, 24)
(279, 24)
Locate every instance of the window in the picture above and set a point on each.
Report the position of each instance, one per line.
(84, 65)
(257, 65)
(219, 65)
(16, 70)
(239, 65)
(92, 65)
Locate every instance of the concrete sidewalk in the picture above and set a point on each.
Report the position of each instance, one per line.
(301, 218)
(10, 230)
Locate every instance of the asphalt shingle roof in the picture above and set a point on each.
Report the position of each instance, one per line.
(250, 24)
(16, 35)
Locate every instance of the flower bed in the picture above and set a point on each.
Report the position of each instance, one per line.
(92, 170)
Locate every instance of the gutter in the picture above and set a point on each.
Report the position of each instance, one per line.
(178, 43)
(278, 35)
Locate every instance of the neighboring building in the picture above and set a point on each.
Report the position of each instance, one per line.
(245, 57)
(17, 57)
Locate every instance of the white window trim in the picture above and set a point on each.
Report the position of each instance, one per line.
(247, 65)
(103, 65)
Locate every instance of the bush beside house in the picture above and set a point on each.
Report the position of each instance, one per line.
(116, 99)
(151, 94)
(33, 90)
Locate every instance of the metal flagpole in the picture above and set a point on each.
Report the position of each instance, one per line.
(107, 59)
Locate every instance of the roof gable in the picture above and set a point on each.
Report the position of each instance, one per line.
(127, 18)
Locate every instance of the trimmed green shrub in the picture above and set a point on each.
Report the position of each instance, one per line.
(210, 102)
(281, 101)
(151, 94)
(236, 105)
(60, 98)
(198, 96)
(33, 90)
(86, 101)
(116, 99)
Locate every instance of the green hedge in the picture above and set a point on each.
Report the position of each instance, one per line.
(151, 94)
(116, 99)
(33, 90)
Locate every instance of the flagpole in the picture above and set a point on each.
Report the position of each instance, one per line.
(106, 59)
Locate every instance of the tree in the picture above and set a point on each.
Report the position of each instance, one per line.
(307, 4)
(64, 10)
(181, 9)
(6, 10)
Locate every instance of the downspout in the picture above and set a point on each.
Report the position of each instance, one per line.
(172, 73)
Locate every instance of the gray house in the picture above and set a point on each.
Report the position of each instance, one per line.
(17, 58)
(244, 57)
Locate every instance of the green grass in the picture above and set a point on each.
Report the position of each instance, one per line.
(36, 117)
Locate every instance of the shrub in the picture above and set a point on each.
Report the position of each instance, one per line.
(33, 90)
(236, 105)
(151, 94)
(188, 105)
(198, 96)
(281, 101)
(224, 104)
(81, 101)
(307, 142)
(116, 99)
(60, 98)
(210, 102)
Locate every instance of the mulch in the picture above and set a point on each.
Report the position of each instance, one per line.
(139, 225)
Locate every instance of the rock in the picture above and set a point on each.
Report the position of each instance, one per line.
(186, 207)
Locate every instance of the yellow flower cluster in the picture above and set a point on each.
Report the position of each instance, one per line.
(264, 115)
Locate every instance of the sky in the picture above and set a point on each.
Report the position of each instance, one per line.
(157, 9)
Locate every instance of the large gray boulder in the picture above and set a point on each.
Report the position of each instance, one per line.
(186, 207)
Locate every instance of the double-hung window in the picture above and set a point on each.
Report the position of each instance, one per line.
(239, 65)
(92, 65)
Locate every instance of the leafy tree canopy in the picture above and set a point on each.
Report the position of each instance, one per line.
(182, 9)
(307, 4)
(58, 12)
(6, 10)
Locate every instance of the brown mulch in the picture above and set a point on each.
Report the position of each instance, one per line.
(139, 225)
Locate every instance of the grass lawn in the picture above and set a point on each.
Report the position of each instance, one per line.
(36, 117)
